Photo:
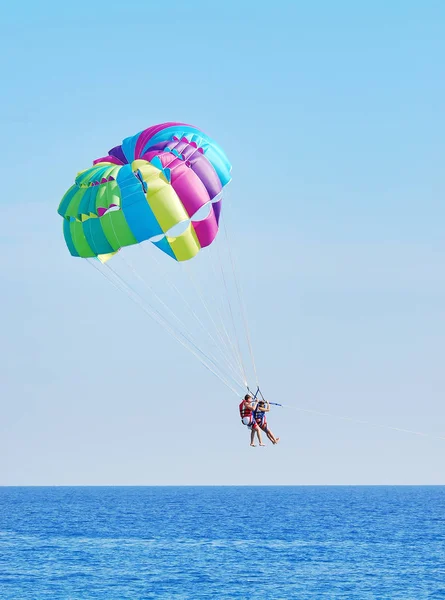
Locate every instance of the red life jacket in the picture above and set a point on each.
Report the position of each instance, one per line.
(244, 411)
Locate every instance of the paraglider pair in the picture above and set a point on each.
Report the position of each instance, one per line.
(253, 415)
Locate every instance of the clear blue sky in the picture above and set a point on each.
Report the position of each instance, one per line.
(332, 114)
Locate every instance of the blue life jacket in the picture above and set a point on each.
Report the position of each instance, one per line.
(259, 415)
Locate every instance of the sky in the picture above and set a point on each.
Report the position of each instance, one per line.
(332, 115)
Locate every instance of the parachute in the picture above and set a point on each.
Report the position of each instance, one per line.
(165, 186)
(154, 181)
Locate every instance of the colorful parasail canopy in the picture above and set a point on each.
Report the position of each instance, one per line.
(165, 178)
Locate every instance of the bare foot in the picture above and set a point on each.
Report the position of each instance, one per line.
(277, 440)
(253, 445)
(262, 444)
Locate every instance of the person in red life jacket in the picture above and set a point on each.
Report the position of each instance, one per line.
(259, 414)
(246, 409)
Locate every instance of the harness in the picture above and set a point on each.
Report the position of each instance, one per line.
(260, 417)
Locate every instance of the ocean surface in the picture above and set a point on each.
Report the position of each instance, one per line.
(81, 543)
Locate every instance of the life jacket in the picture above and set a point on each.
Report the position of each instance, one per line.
(259, 416)
(244, 411)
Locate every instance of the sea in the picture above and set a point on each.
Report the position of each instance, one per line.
(117, 543)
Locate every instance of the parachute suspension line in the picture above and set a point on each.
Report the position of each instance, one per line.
(113, 283)
(174, 331)
(201, 297)
(221, 318)
(241, 301)
(227, 294)
(179, 335)
(227, 357)
(362, 422)
(154, 314)
(220, 332)
(258, 391)
(231, 374)
(232, 319)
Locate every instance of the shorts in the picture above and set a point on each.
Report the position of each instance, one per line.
(249, 423)
(262, 423)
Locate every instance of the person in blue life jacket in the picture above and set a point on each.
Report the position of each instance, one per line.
(259, 414)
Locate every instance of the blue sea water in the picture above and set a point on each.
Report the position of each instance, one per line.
(114, 543)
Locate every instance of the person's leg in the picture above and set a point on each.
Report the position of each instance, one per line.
(252, 435)
(272, 438)
(258, 432)
(269, 434)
